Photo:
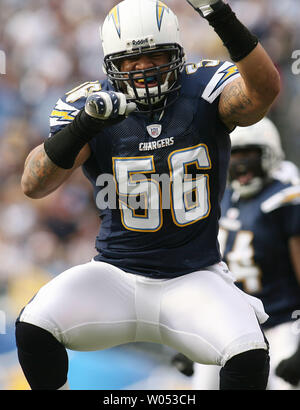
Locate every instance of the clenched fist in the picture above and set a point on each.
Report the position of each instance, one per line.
(108, 105)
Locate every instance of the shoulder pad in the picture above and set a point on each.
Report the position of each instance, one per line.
(214, 75)
(287, 196)
(63, 113)
(226, 73)
(68, 106)
(83, 91)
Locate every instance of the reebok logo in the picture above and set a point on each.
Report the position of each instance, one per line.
(142, 42)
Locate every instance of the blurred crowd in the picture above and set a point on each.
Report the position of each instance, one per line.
(51, 46)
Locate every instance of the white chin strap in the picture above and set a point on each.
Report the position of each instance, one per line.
(245, 191)
(141, 92)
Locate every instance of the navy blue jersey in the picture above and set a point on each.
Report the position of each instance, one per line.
(174, 232)
(254, 235)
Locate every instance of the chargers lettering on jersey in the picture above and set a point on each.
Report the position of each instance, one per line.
(149, 146)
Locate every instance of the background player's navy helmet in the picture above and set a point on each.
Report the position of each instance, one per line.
(136, 27)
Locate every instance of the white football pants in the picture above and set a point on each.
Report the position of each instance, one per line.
(283, 340)
(202, 314)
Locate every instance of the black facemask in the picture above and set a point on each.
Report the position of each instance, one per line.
(242, 166)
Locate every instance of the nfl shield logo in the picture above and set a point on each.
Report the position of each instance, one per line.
(154, 130)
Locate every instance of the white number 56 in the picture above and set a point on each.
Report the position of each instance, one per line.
(189, 197)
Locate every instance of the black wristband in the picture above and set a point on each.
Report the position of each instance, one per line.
(64, 146)
(235, 36)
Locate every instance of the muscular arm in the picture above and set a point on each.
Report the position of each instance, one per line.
(41, 176)
(247, 99)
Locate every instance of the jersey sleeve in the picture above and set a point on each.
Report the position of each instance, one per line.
(68, 106)
(284, 207)
(214, 75)
(61, 115)
(287, 172)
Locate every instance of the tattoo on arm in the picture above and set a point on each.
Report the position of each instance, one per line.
(235, 105)
(40, 168)
(41, 176)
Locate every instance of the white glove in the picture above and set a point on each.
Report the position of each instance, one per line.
(108, 105)
(205, 7)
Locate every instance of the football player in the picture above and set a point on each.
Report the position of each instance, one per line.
(288, 368)
(260, 240)
(157, 275)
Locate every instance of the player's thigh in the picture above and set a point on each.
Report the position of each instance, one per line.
(208, 319)
(87, 307)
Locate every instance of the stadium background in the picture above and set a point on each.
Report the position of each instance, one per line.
(51, 46)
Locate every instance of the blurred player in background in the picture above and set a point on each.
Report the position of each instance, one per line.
(260, 240)
(289, 368)
(158, 275)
